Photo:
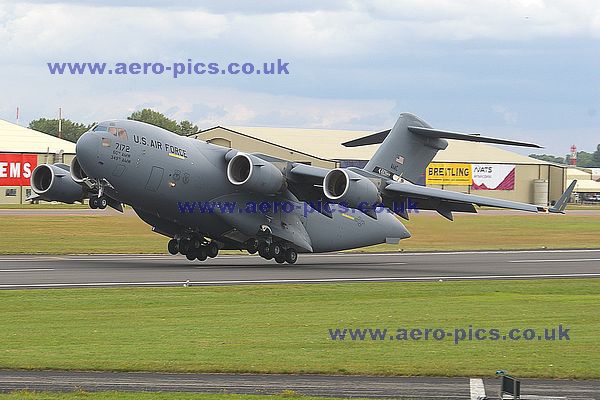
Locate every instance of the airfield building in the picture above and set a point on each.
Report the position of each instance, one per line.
(21, 150)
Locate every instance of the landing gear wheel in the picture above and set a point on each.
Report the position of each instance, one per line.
(212, 250)
(102, 202)
(201, 254)
(291, 256)
(265, 251)
(276, 249)
(173, 247)
(280, 259)
(191, 255)
(93, 202)
(252, 246)
(195, 244)
(184, 246)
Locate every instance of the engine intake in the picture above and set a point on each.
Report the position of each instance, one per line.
(77, 173)
(52, 182)
(344, 186)
(255, 174)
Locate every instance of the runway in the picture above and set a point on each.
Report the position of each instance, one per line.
(30, 271)
(308, 385)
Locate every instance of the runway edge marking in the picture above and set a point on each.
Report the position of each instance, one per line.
(296, 281)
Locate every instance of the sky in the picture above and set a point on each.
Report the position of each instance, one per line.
(526, 70)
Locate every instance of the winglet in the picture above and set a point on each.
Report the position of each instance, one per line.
(560, 206)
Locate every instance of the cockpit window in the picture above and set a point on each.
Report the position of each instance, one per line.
(122, 133)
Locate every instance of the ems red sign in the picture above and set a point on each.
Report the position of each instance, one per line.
(16, 169)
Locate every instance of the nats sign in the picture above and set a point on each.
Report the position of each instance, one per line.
(16, 169)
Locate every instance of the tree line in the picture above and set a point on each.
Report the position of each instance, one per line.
(584, 159)
(71, 130)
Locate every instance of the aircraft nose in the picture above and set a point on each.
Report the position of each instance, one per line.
(86, 149)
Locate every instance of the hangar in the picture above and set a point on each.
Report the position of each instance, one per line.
(21, 150)
(587, 187)
(490, 171)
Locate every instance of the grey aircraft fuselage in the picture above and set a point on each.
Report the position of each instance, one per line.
(153, 170)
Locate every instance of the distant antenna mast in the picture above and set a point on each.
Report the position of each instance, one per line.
(60, 122)
(17, 115)
(573, 158)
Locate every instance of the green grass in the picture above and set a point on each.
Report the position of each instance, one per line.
(27, 395)
(43, 206)
(589, 207)
(76, 234)
(284, 328)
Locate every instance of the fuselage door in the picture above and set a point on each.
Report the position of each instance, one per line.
(156, 176)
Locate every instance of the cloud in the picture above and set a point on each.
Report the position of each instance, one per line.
(508, 116)
(519, 65)
(112, 30)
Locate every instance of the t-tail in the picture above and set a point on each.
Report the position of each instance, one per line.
(409, 147)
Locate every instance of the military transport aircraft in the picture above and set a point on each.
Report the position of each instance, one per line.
(204, 197)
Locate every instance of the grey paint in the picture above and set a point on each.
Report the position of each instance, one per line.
(153, 170)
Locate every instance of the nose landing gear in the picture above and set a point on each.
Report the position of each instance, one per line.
(98, 202)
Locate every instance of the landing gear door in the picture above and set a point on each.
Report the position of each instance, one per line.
(292, 227)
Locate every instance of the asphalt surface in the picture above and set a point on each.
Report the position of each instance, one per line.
(310, 385)
(31, 271)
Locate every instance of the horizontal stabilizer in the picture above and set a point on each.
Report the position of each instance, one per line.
(436, 133)
(374, 138)
(379, 137)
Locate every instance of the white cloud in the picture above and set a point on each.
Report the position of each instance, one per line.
(33, 31)
(83, 33)
(354, 64)
(508, 116)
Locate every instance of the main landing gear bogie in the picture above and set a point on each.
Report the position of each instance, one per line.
(272, 250)
(193, 248)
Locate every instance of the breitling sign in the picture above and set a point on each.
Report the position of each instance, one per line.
(449, 174)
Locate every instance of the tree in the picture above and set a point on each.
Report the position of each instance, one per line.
(596, 157)
(70, 130)
(155, 118)
(548, 158)
(186, 128)
(585, 159)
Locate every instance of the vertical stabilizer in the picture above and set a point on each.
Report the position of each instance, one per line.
(404, 153)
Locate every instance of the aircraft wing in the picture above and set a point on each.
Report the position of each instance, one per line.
(444, 201)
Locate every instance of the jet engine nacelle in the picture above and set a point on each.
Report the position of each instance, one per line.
(77, 173)
(344, 186)
(52, 182)
(255, 174)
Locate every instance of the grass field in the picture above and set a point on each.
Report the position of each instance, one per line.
(285, 328)
(127, 234)
(22, 395)
(43, 206)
